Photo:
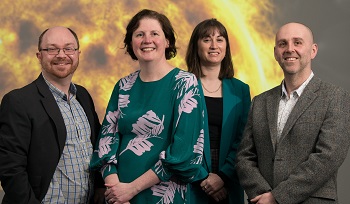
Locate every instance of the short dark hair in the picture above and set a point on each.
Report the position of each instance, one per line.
(204, 29)
(167, 28)
(43, 33)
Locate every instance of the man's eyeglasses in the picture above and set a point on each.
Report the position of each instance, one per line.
(55, 51)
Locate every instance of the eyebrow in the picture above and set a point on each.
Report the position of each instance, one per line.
(298, 38)
(294, 39)
(209, 36)
(53, 44)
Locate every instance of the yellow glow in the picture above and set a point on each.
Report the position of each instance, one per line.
(100, 26)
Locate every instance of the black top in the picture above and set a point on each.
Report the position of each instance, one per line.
(215, 109)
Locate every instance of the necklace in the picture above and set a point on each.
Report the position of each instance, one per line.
(211, 91)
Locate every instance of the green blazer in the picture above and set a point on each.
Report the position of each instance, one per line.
(236, 104)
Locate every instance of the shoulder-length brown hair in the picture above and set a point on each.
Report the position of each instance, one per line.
(204, 29)
(167, 28)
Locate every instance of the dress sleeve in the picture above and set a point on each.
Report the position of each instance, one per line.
(104, 157)
(183, 158)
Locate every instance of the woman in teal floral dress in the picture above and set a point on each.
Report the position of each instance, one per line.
(152, 139)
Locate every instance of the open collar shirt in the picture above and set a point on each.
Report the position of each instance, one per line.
(287, 103)
(71, 182)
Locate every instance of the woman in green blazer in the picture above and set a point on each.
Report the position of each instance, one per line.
(227, 106)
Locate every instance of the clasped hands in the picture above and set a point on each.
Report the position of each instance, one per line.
(120, 193)
(214, 186)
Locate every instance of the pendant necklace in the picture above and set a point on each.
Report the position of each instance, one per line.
(211, 91)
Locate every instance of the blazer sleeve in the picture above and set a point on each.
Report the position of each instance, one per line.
(15, 137)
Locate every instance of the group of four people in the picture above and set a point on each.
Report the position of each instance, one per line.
(174, 136)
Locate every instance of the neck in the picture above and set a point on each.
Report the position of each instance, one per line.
(211, 73)
(293, 82)
(62, 84)
(152, 71)
(212, 85)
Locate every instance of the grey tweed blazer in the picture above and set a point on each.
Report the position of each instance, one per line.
(302, 167)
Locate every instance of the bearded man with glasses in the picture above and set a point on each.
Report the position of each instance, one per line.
(48, 129)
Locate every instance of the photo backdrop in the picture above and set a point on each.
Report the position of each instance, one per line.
(100, 25)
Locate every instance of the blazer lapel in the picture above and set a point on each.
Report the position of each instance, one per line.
(87, 109)
(53, 111)
(230, 100)
(272, 103)
(306, 98)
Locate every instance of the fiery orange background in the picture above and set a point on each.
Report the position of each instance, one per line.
(100, 26)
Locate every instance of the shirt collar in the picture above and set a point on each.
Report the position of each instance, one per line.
(299, 90)
(59, 93)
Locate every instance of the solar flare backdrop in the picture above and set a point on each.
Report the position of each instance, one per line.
(101, 24)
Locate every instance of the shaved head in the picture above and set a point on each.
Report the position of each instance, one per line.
(297, 28)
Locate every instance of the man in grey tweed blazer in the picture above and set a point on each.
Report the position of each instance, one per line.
(297, 134)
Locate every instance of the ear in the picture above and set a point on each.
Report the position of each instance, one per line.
(314, 50)
(38, 55)
(167, 43)
(274, 53)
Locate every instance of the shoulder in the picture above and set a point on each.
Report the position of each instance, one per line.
(236, 83)
(325, 89)
(274, 92)
(128, 78)
(184, 76)
(25, 98)
(83, 94)
(179, 71)
(81, 88)
(131, 75)
(22, 92)
(236, 86)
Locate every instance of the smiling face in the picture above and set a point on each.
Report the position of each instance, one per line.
(60, 66)
(294, 49)
(212, 49)
(148, 41)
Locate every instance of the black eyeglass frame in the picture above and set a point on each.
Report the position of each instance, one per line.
(48, 50)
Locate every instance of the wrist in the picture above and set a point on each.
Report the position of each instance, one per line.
(112, 179)
(136, 188)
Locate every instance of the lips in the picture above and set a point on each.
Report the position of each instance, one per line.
(61, 63)
(213, 53)
(290, 58)
(147, 49)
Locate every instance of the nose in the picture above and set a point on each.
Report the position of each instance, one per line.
(213, 44)
(147, 39)
(290, 47)
(61, 53)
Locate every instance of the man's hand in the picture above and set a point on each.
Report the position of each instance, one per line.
(266, 198)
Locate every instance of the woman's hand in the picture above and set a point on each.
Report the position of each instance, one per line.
(120, 193)
(212, 184)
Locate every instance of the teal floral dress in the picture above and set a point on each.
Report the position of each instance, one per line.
(154, 125)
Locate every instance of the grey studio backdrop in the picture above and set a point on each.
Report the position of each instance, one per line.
(329, 20)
